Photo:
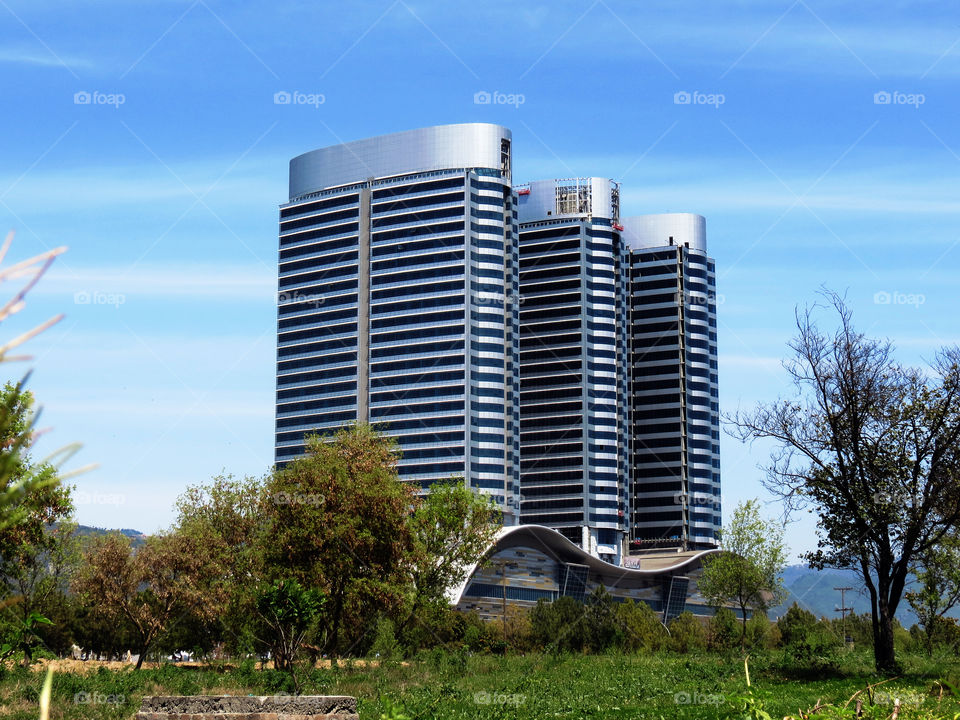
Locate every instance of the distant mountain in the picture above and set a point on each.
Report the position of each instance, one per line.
(814, 590)
(87, 530)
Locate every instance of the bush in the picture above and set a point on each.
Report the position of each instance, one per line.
(795, 625)
(725, 629)
(761, 633)
(601, 629)
(813, 654)
(687, 633)
(640, 627)
(517, 630)
(385, 645)
(557, 625)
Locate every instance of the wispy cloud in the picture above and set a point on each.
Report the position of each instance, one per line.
(42, 58)
(207, 281)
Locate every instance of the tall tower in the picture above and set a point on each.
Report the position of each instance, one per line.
(398, 261)
(573, 410)
(675, 475)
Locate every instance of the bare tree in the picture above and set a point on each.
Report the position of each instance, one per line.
(871, 446)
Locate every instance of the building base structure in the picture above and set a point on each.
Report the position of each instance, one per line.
(529, 563)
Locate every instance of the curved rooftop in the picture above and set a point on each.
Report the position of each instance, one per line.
(650, 231)
(441, 147)
(551, 541)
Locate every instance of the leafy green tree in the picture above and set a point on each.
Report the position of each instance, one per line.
(337, 519)
(747, 572)
(451, 528)
(39, 548)
(149, 587)
(601, 629)
(938, 591)
(873, 449)
(225, 516)
(19, 480)
(291, 615)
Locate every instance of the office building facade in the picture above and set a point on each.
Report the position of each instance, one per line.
(573, 383)
(397, 265)
(528, 340)
(672, 338)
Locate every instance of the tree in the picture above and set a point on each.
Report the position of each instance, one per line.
(337, 520)
(16, 419)
(451, 527)
(225, 517)
(747, 572)
(38, 548)
(149, 587)
(873, 448)
(938, 579)
(291, 614)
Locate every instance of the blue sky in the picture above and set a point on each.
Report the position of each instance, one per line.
(165, 185)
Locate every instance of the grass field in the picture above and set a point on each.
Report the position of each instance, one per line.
(456, 685)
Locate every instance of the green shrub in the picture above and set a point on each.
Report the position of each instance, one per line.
(761, 633)
(640, 627)
(813, 654)
(558, 626)
(725, 629)
(795, 625)
(385, 645)
(687, 633)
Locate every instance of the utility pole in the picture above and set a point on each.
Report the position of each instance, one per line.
(843, 609)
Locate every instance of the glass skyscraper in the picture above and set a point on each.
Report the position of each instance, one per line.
(675, 444)
(573, 402)
(397, 274)
(525, 339)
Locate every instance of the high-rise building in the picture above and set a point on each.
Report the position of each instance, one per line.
(675, 453)
(527, 340)
(574, 433)
(397, 265)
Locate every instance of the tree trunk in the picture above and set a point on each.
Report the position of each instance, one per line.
(142, 654)
(884, 652)
(334, 638)
(743, 629)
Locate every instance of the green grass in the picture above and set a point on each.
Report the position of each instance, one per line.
(455, 685)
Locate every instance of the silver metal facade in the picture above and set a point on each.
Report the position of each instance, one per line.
(397, 273)
(573, 427)
(675, 472)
